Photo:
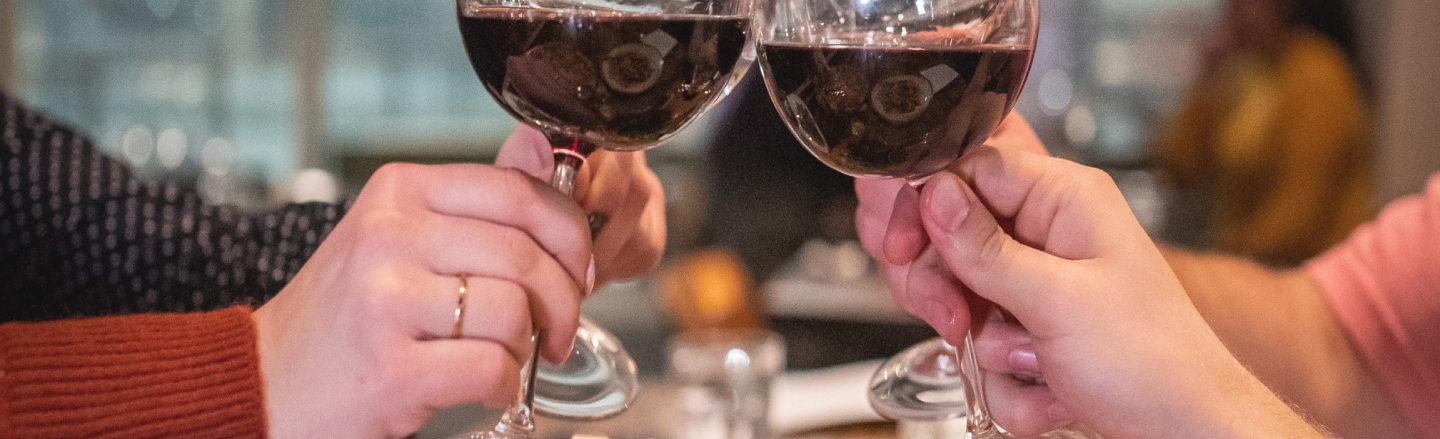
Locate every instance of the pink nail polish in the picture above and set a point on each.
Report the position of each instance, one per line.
(1023, 359)
(590, 277)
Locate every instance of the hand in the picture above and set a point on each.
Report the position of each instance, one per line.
(619, 186)
(359, 344)
(888, 222)
(1118, 342)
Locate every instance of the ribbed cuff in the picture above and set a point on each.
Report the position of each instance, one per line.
(140, 376)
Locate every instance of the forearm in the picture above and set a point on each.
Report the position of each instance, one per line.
(1248, 409)
(1279, 325)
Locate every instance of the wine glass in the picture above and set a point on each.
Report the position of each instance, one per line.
(900, 89)
(622, 75)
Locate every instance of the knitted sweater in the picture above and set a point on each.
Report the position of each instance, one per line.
(141, 376)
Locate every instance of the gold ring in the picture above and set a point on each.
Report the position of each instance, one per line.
(460, 309)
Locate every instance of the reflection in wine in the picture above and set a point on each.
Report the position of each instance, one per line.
(893, 112)
(620, 80)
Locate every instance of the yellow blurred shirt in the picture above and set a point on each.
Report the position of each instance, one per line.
(1281, 148)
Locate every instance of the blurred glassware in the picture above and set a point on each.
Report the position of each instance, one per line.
(724, 378)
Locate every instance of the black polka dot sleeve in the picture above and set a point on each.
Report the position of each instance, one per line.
(80, 236)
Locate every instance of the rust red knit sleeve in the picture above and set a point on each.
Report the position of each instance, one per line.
(140, 376)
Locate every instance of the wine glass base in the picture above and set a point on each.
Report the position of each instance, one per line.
(497, 434)
(923, 383)
(599, 380)
(926, 382)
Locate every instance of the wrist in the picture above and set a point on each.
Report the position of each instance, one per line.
(1247, 409)
(269, 359)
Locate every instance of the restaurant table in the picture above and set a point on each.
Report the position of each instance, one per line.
(828, 403)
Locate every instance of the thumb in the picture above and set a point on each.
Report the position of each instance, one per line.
(528, 151)
(980, 254)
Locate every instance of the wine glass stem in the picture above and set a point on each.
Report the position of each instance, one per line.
(518, 421)
(567, 167)
(519, 418)
(980, 425)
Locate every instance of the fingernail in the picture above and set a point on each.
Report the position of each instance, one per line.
(1023, 359)
(590, 277)
(947, 206)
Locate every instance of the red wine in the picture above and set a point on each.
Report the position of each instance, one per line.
(621, 80)
(892, 112)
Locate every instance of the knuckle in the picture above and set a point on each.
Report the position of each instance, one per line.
(385, 289)
(521, 247)
(1093, 177)
(391, 173)
(378, 230)
(411, 418)
(520, 186)
(517, 321)
(990, 251)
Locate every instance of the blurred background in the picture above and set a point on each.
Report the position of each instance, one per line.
(261, 102)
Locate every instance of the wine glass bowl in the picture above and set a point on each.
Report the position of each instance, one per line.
(895, 88)
(621, 76)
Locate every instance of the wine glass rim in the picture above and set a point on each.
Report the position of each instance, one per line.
(904, 46)
(592, 8)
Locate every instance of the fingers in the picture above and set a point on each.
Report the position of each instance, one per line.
(977, 250)
(877, 203)
(487, 250)
(936, 296)
(905, 235)
(485, 222)
(617, 184)
(876, 200)
(462, 371)
(1024, 409)
(887, 218)
(1040, 193)
(1007, 349)
(1019, 398)
(495, 310)
(528, 151)
(624, 188)
(504, 197)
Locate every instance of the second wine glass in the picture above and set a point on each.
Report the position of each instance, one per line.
(622, 75)
(900, 89)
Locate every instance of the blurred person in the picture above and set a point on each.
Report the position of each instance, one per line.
(757, 168)
(365, 340)
(1346, 339)
(1270, 156)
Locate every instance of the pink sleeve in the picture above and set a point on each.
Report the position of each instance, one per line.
(1384, 284)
